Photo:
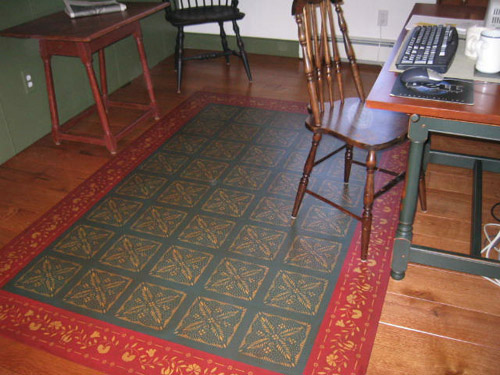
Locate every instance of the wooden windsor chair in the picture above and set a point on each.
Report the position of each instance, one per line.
(346, 119)
(184, 13)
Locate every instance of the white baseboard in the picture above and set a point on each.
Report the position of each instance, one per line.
(368, 51)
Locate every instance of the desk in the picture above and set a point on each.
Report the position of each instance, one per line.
(481, 120)
(58, 34)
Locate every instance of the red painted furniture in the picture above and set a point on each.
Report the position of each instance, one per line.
(58, 34)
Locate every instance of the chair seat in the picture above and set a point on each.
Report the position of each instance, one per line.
(196, 16)
(357, 125)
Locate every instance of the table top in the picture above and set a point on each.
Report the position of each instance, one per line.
(486, 108)
(59, 26)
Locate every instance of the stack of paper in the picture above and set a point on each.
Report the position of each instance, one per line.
(76, 8)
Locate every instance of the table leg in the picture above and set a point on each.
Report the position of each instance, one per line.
(51, 93)
(417, 134)
(86, 56)
(145, 70)
(104, 79)
(422, 196)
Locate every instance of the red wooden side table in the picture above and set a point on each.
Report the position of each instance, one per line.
(58, 34)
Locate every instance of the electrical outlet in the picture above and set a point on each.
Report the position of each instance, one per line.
(28, 83)
(383, 17)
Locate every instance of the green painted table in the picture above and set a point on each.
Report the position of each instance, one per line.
(481, 120)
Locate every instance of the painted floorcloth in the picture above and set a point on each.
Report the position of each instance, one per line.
(179, 256)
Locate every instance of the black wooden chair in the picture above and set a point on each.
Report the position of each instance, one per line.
(347, 119)
(183, 13)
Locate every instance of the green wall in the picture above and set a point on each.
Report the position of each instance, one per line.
(25, 117)
(262, 46)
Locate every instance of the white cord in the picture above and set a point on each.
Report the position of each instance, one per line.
(492, 245)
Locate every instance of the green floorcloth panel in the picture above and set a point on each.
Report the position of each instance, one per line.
(196, 245)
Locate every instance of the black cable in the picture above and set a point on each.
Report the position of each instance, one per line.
(496, 215)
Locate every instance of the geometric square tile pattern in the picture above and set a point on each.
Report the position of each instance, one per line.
(258, 242)
(236, 278)
(83, 241)
(276, 339)
(47, 276)
(97, 290)
(296, 292)
(211, 322)
(181, 265)
(151, 306)
(130, 253)
(197, 246)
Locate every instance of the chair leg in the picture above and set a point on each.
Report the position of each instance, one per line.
(179, 56)
(176, 51)
(347, 163)
(223, 40)
(366, 219)
(304, 181)
(243, 53)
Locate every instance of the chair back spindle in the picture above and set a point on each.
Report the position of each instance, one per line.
(336, 54)
(314, 34)
(316, 26)
(349, 50)
(186, 4)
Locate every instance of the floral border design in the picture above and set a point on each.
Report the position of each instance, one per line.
(348, 330)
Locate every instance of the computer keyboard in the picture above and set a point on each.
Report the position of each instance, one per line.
(433, 47)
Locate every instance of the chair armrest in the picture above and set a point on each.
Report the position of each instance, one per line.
(172, 7)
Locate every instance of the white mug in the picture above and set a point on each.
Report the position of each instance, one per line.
(471, 38)
(488, 51)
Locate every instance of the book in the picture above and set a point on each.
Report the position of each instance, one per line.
(77, 8)
(448, 90)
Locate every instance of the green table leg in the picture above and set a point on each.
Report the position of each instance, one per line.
(418, 135)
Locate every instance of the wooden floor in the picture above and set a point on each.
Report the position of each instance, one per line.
(433, 321)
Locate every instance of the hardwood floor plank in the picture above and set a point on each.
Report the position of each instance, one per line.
(459, 180)
(20, 359)
(453, 227)
(400, 351)
(440, 242)
(457, 289)
(442, 319)
(447, 204)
